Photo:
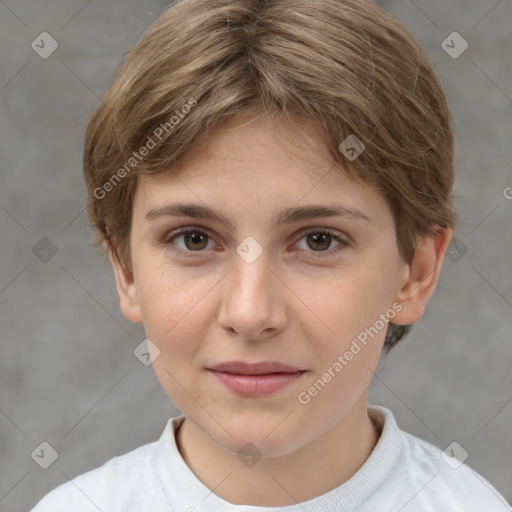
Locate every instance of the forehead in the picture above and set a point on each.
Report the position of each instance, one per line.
(262, 142)
(252, 162)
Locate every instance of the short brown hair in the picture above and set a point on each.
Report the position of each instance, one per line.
(345, 64)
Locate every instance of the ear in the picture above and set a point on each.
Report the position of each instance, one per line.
(126, 289)
(420, 277)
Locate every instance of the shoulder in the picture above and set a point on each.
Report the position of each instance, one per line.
(425, 478)
(447, 480)
(115, 486)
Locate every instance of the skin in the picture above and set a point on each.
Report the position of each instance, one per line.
(286, 306)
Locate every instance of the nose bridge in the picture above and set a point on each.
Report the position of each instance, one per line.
(251, 276)
(250, 301)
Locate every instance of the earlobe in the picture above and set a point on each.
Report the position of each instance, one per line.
(126, 289)
(420, 278)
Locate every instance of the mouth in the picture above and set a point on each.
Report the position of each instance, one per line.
(255, 379)
(263, 368)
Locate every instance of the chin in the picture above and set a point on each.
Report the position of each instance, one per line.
(260, 436)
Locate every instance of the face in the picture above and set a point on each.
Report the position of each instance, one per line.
(262, 284)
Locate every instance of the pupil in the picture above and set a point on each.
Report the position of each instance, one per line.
(321, 239)
(195, 237)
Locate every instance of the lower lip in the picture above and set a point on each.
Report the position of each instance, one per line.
(256, 385)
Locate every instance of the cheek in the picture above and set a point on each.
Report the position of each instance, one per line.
(347, 338)
(167, 299)
(339, 309)
(166, 292)
(176, 319)
(176, 306)
(347, 335)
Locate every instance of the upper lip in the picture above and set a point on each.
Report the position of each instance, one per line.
(262, 368)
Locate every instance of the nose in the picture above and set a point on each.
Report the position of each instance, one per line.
(254, 306)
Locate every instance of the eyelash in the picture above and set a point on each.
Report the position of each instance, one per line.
(343, 243)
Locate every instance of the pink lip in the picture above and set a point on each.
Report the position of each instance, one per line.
(264, 367)
(255, 379)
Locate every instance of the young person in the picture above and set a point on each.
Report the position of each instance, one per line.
(272, 181)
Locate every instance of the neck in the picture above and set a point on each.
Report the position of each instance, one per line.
(308, 472)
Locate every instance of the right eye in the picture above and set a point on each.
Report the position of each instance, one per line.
(193, 240)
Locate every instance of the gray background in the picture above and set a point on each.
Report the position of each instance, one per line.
(68, 375)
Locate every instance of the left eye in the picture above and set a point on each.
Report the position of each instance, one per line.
(321, 240)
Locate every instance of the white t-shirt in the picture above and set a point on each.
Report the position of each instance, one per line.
(403, 473)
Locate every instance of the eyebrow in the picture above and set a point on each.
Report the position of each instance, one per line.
(288, 215)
